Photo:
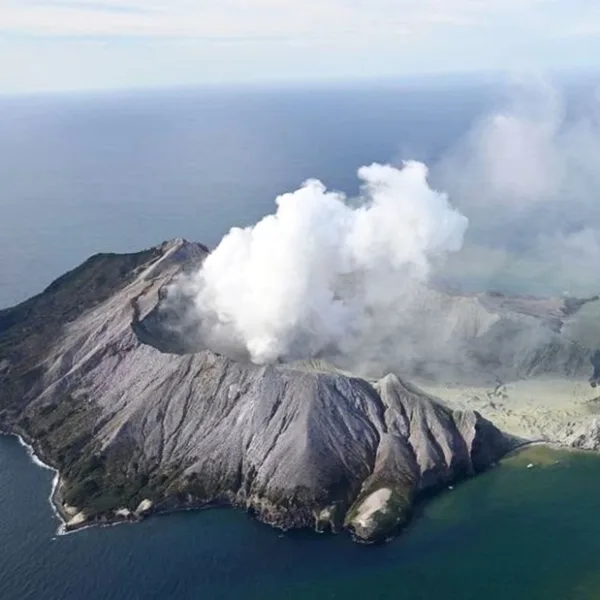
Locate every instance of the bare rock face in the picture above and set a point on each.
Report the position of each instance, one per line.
(481, 339)
(423, 447)
(585, 436)
(136, 421)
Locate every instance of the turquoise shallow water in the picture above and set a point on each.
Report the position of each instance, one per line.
(510, 533)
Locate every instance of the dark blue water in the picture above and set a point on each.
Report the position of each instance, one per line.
(512, 533)
(85, 174)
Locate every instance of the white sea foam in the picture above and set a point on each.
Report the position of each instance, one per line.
(55, 481)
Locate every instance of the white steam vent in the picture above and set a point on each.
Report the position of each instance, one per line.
(319, 275)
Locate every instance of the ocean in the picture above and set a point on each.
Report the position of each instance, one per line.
(513, 532)
(81, 174)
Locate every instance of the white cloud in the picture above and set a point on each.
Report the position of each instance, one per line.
(242, 19)
(90, 44)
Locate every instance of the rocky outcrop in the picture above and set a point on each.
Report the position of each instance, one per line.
(138, 420)
(585, 435)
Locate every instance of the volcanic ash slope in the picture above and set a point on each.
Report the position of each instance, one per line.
(136, 423)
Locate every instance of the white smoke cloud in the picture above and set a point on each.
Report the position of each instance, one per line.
(512, 156)
(319, 276)
(357, 280)
(528, 178)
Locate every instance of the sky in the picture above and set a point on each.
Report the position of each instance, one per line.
(55, 45)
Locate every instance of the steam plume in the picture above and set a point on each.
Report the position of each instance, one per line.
(350, 279)
(315, 277)
(527, 176)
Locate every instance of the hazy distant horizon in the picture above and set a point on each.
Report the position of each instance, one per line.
(307, 84)
(567, 76)
(88, 173)
(118, 44)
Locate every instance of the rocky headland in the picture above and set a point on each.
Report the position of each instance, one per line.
(137, 420)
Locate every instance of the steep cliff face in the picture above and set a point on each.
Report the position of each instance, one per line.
(137, 419)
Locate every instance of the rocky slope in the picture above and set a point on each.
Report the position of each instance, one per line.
(138, 420)
(481, 339)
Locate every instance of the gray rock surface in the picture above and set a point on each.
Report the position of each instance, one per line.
(136, 421)
(585, 436)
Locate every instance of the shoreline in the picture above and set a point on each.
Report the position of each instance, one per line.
(37, 461)
(554, 410)
(64, 529)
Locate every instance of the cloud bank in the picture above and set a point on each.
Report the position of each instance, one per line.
(121, 44)
(258, 18)
(528, 177)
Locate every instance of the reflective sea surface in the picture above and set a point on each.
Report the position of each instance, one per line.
(512, 533)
